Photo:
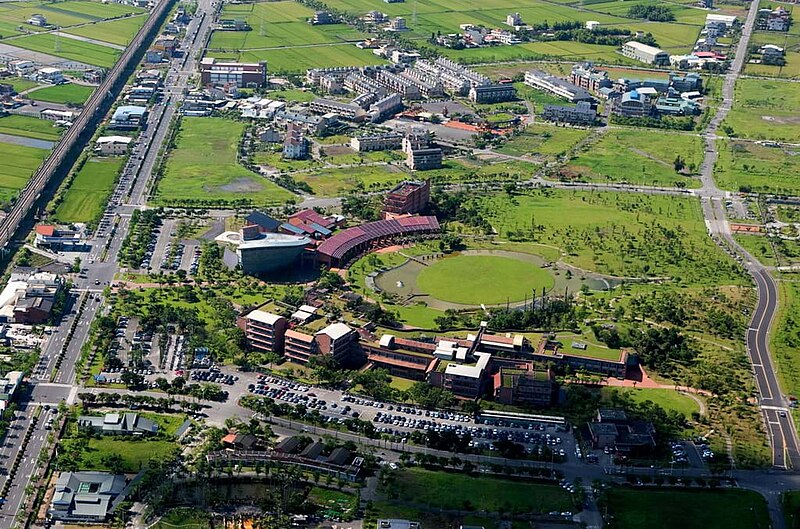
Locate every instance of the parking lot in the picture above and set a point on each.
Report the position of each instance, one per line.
(401, 420)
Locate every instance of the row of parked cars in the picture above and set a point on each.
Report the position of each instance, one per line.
(214, 375)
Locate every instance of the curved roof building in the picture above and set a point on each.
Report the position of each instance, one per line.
(269, 251)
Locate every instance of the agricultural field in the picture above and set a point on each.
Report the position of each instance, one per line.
(119, 32)
(544, 140)
(623, 156)
(450, 491)
(748, 166)
(667, 509)
(619, 234)
(203, 169)
(765, 109)
(63, 14)
(17, 164)
(298, 60)
(29, 127)
(86, 196)
(281, 35)
(68, 94)
(74, 50)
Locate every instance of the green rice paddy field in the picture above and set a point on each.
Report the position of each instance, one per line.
(75, 50)
(203, 167)
(17, 164)
(29, 127)
(119, 32)
(281, 35)
(86, 197)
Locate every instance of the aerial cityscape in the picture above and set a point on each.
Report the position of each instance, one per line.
(399, 264)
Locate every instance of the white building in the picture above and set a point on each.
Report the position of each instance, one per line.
(112, 145)
(644, 53)
(592, 25)
(50, 75)
(37, 20)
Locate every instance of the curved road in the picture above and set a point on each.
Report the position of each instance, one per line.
(777, 418)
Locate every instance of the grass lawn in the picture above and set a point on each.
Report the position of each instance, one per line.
(759, 247)
(19, 84)
(593, 349)
(184, 518)
(748, 166)
(119, 32)
(785, 338)
(135, 454)
(65, 94)
(203, 168)
(765, 109)
(74, 50)
(300, 96)
(621, 156)
(29, 127)
(17, 164)
(475, 279)
(620, 234)
(545, 140)
(86, 197)
(401, 384)
(668, 509)
(791, 509)
(333, 182)
(665, 398)
(453, 491)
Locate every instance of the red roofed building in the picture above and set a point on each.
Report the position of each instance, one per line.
(348, 244)
(407, 198)
(46, 230)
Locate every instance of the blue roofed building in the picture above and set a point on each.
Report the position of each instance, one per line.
(128, 117)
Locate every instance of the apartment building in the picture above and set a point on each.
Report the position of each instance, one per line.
(349, 111)
(299, 346)
(420, 154)
(388, 141)
(404, 86)
(581, 114)
(495, 93)
(554, 85)
(589, 78)
(339, 341)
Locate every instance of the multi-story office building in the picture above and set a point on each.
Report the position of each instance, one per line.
(240, 74)
(407, 198)
(264, 330)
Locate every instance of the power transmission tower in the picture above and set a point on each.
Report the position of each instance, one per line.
(414, 14)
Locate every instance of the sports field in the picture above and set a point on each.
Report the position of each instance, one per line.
(625, 156)
(476, 279)
(86, 197)
(119, 31)
(765, 109)
(746, 165)
(17, 164)
(74, 94)
(75, 50)
(668, 509)
(29, 127)
(202, 169)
